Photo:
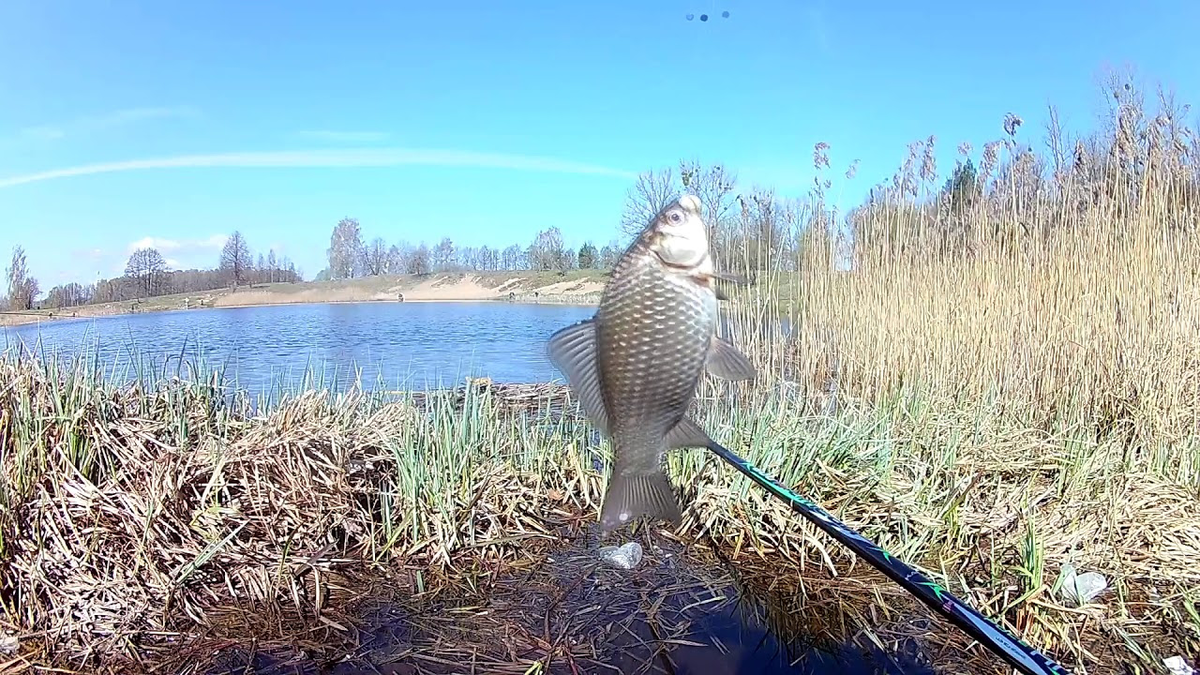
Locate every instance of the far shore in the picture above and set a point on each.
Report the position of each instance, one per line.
(578, 287)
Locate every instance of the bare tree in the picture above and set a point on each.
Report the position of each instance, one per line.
(418, 262)
(398, 258)
(547, 252)
(443, 255)
(652, 191)
(489, 258)
(22, 287)
(69, 295)
(763, 232)
(375, 257)
(235, 259)
(345, 249)
(146, 266)
(272, 266)
(468, 258)
(609, 255)
(512, 258)
(714, 186)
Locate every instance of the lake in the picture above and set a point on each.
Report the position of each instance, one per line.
(394, 345)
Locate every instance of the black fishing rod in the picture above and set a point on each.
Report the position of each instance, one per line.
(1020, 655)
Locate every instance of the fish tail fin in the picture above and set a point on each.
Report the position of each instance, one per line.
(636, 494)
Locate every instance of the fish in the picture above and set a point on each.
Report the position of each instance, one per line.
(635, 364)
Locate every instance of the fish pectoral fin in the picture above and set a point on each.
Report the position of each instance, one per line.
(638, 494)
(687, 434)
(573, 351)
(727, 362)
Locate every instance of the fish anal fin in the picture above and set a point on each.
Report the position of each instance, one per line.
(631, 495)
(573, 351)
(687, 434)
(727, 362)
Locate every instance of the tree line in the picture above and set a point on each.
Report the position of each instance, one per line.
(350, 256)
(146, 275)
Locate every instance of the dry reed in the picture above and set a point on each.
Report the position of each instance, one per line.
(1014, 365)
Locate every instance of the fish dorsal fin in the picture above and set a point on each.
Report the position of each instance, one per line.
(725, 361)
(573, 351)
(687, 434)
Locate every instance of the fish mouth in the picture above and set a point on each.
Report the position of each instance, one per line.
(690, 269)
(686, 267)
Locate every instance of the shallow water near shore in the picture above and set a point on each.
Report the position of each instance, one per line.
(678, 612)
(378, 346)
(381, 345)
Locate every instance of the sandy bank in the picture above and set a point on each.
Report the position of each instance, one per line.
(543, 287)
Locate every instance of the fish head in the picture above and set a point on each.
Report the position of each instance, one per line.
(677, 234)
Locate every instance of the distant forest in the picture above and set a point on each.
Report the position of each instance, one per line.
(146, 275)
(350, 256)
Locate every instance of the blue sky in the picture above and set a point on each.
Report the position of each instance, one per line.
(126, 122)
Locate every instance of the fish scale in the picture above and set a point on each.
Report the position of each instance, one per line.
(635, 365)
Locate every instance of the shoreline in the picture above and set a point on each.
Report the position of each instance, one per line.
(581, 289)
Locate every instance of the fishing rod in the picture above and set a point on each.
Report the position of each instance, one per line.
(1018, 654)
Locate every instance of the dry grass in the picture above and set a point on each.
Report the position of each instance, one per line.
(136, 518)
(129, 512)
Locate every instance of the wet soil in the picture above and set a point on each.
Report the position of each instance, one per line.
(680, 611)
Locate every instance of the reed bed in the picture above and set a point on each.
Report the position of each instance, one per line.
(1000, 374)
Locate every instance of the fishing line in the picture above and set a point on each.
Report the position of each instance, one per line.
(1018, 654)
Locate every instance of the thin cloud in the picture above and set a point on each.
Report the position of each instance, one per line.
(92, 253)
(380, 157)
(164, 245)
(345, 136)
(818, 28)
(111, 120)
(42, 133)
(178, 254)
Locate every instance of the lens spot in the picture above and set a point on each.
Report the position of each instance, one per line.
(704, 17)
(725, 14)
(690, 17)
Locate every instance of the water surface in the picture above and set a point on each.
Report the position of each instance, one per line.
(392, 345)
